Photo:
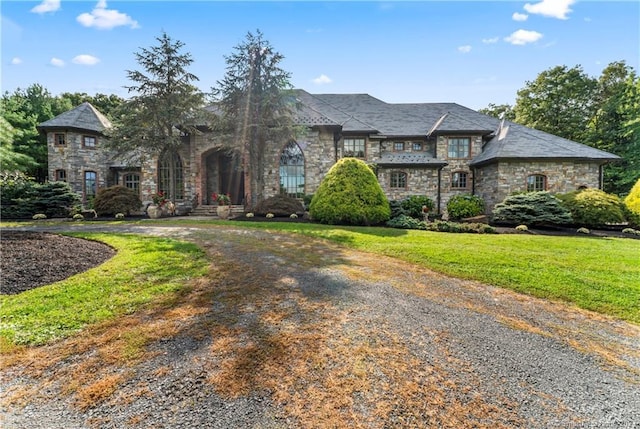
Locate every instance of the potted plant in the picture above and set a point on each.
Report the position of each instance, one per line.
(224, 205)
(155, 210)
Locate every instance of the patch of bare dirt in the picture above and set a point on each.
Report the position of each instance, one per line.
(33, 259)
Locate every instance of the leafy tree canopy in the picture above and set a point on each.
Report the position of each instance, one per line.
(500, 111)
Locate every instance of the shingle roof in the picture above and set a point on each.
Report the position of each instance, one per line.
(83, 117)
(414, 159)
(517, 141)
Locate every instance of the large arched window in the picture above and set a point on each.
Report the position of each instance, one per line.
(170, 176)
(292, 171)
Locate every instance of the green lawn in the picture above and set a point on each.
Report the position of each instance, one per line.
(599, 274)
(145, 269)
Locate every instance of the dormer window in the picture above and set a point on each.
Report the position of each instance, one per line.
(398, 146)
(416, 146)
(459, 147)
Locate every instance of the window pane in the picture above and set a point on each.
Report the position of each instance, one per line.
(170, 176)
(292, 171)
(536, 183)
(398, 146)
(61, 175)
(459, 147)
(90, 183)
(353, 148)
(398, 179)
(60, 139)
(459, 180)
(89, 141)
(417, 146)
(132, 181)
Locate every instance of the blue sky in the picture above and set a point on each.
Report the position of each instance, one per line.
(472, 53)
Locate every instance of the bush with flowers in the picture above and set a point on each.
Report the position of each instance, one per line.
(158, 198)
(221, 199)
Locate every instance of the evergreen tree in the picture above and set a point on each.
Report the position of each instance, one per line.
(255, 106)
(165, 104)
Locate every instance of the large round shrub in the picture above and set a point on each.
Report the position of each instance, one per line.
(632, 202)
(116, 199)
(350, 195)
(465, 205)
(531, 208)
(593, 207)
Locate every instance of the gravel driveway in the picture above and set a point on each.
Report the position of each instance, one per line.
(295, 332)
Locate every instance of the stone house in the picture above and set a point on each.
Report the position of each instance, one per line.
(433, 149)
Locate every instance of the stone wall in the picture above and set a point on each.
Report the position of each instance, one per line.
(455, 165)
(496, 181)
(75, 159)
(420, 181)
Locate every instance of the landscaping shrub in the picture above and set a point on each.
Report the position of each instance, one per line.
(632, 203)
(593, 207)
(279, 205)
(21, 197)
(465, 205)
(531, 208)
(116, 199)
(406, 222)
(350, 194)
(412, 205)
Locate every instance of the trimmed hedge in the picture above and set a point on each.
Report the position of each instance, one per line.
(350, 195)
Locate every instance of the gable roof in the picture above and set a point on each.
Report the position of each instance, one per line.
(83, 117)
(517, 141)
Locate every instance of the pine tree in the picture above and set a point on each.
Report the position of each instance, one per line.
(255, 104)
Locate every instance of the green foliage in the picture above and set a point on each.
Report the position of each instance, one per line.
(350, 194)
(408, 222)
(255, 103)
(531, 208)
(116, 199)
(412, 205)
(593, 207)
(165, 98)
(632, 202)
(465, 205)
(143, 270)
(501, 111)
(403, 221)
(21, 197)
(279, 205)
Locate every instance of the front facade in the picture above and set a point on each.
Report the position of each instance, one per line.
(433, 149)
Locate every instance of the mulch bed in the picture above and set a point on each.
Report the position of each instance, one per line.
(32, 259)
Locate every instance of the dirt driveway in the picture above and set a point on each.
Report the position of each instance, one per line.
(291, 332)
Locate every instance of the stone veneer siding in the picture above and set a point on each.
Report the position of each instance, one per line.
(75, 159)
(494, 182)
(455, 165)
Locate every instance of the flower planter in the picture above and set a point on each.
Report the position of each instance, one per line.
(154, 211)
(223, 212)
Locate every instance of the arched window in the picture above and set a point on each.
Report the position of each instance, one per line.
(292, 171)
(90, 184)
(536, 182)
(170, 176)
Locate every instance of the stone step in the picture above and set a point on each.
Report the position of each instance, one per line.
(210, 210)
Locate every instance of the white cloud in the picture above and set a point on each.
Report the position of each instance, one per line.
(323, 79)
(85, 60)
(550, 8)
(106, 19)
(522, 37)
(56, 62)
(491, 40)
(464, 49)
(519, 16)
(47, 6)
(16, 60)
